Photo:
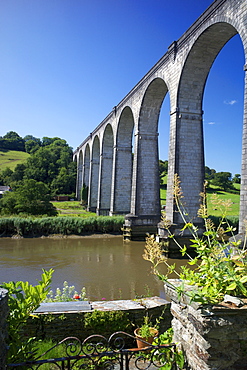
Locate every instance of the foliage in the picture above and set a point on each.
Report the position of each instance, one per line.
(209, 173)
(171, 355)
(237, 178)
(67, 294)
(50, 161)
(12, 141)
(24, 298)
(163, 169)
(147, 329)
(101, 322)
(30, 197)
(223, 180)
(60, 225)
(220, 266)
(5, 176)
(64, 182)
(84, 194)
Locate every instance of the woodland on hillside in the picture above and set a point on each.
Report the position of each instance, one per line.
(48, 171)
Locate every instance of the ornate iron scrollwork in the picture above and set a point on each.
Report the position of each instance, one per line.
(100, 353)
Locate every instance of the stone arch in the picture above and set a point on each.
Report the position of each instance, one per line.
(189, 152)
(106, 164)
(198, 63)
(94, 175)
(146, 201)
(121, 186)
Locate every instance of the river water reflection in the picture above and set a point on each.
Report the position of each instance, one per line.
(108, 267)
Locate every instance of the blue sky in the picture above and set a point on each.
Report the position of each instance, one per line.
(64, 64)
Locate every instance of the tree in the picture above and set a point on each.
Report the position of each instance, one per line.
(31, 197)
(12, 141)
(31, 137)
(46, 163)
(163, 169)
(49, 140)
(237, 178)
(18, 173)
(223, 180)
(209, 173)
(84, 194)
(41, 166)
(6, 176)
(50, 161)
(31, 146)
(63, 183)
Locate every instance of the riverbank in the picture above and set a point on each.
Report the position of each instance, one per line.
(66, 226)
(62, 236)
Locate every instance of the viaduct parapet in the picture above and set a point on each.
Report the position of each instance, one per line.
(123, 178)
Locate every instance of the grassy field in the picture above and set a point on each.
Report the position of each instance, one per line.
(235, 198)
(10, 158)
(213, 211)
(72, 208)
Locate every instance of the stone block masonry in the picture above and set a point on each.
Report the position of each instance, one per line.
(213, 337)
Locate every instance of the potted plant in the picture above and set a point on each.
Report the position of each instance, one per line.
(146, 333)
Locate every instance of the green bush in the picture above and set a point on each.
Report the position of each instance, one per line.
(102, 322)
(60, 225)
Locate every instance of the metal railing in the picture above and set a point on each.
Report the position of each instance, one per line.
(98, 352)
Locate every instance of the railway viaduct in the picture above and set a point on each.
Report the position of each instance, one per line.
(125, 180)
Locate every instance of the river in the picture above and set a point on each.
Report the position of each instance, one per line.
(108, 267)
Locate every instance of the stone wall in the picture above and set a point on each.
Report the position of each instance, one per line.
(213, 337)
(3, 326)
(59, 325)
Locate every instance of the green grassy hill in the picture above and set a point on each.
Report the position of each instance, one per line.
(212, 210)
(10, 158)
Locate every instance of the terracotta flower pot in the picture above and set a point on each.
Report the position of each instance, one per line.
(140, 340)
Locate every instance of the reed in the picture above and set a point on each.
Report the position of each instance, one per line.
(29, 226)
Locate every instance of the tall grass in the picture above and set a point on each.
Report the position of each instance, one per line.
(60, 225)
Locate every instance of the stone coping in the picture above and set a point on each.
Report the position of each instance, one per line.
(73, 306)
(85, 306)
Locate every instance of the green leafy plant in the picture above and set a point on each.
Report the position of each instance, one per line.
(23, 300)
(220, 265)
(169, 356)
(147, 329)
